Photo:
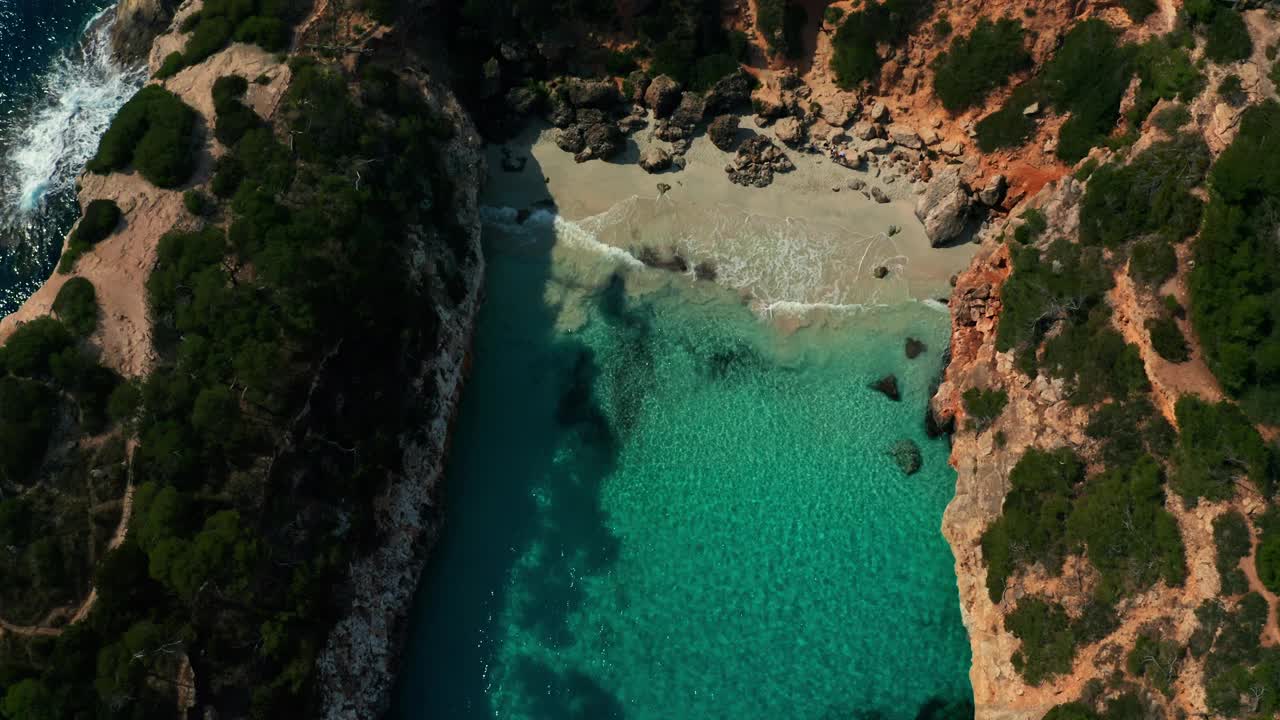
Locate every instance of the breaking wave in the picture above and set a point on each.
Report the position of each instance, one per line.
(49, 130)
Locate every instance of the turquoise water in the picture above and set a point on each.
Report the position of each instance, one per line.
(658, 506)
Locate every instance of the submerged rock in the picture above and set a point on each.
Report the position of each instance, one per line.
(888, 385)
(915, 348)
(906, 453)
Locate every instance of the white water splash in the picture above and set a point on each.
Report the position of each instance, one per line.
(79, 94)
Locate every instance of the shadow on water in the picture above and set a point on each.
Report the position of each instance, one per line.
(531, 450)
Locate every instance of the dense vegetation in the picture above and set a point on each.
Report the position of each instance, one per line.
(77, 306)
(265, 23)
(781, 23)
(153, 132)
(855, 56)
(99, 220)
(1086, 79)
(978, 63)
(265, 431)
(1237, 270)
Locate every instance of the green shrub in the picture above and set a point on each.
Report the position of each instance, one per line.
(1172, 118)
(1048, 646)
(1155, 659)
(1094, 359)
(1227, 38)
(1034, 224)
(1004, 128)
(978, 63)
(832, 15)
(234, 120)
(30, 350)
(99, 220)
(1166, 73)
(1150, 195)
(26, 424)
(271, 34)
(1237, 264)
(855, 57)
(1231, 90)
(983, 406)
(1152, 261)
(1127, 533)
(1125, 431)
(1031, 527)
(1060, 285)
(1138, 10)
(620, 62)
(228, 88)
(210, 36)
(197, 203)
(1087, 77)
(77, 306)
(1233, 542)
(1167, 339)
(189, 23)
(154, 132)
(1217, 447)
(172, 63)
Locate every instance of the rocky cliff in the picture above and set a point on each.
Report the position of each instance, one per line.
(138, 22)
(358, 666)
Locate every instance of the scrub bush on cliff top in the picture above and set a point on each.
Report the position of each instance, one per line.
(154, 133)
(855, 57)
(1217, 448)
(1233, 542)
(1030, 528)
(77, 306)
(978, 63)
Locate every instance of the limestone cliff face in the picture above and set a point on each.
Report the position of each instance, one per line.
(1036, 415)
(138, 22)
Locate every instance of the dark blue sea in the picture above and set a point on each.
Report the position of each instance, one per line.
(59, 88)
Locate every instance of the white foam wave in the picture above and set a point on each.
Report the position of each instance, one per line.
(546, 220)
(82, 90)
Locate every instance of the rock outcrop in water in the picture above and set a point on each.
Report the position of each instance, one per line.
(907, 455)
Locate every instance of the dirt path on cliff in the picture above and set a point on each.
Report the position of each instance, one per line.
(1169, 381)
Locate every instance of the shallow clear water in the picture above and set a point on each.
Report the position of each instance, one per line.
(660, 507)
(59, 88)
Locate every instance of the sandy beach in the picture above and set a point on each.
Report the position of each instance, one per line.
(796, 244)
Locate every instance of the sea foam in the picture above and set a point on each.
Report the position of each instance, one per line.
(77, 96)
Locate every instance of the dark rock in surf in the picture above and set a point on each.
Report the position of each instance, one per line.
(888, 386)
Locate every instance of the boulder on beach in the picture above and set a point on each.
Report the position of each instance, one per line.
(602, 140)
(655, 159)
(944, 207)
(888, 386)
(790, 131)
(591, 93)
(907, 455)
(878, 195)
(731, 91)
(723, 132)
(915, 348)
(662, 96)
(881, 272)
